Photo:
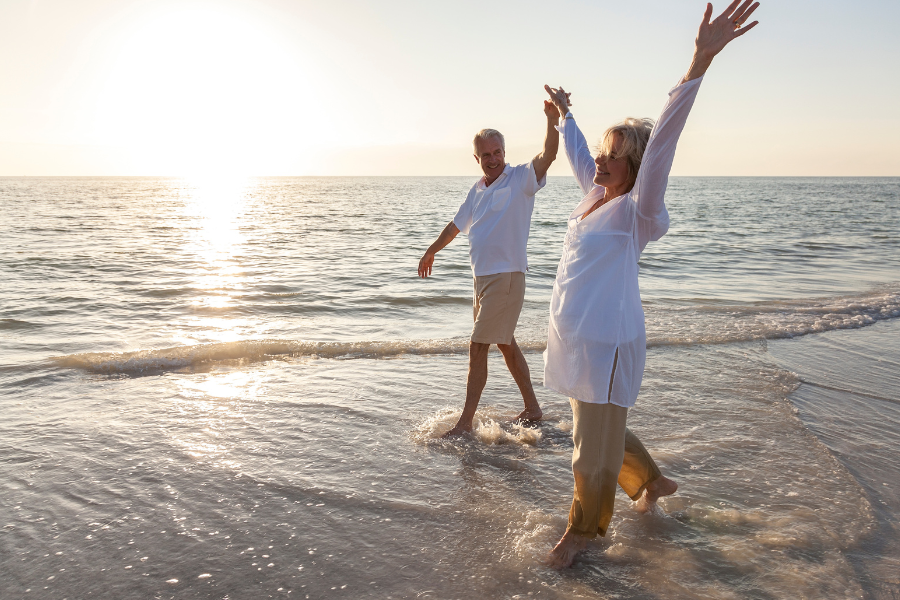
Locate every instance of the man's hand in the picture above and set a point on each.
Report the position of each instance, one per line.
(551, 111)
(427, 260)
(543, 160)
(425, 264)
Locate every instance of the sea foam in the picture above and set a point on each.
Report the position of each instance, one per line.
(687, 325)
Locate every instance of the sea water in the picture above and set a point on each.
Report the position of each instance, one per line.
(237, 388)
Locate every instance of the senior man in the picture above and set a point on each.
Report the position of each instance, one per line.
(496, 216)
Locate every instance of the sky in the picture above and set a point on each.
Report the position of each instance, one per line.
(399, 87)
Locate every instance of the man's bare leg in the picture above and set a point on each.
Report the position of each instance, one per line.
(663, 486)
(518, 367)
(478, 370)
(565, 551)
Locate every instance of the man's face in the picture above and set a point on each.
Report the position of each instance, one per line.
(491, 157)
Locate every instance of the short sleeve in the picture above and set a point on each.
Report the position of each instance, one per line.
(530, 184)
(463, 218)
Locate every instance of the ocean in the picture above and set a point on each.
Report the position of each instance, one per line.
(236, 389)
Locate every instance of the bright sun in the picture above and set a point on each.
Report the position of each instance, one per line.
(205, 91)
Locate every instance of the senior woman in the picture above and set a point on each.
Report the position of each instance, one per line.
(596, 344)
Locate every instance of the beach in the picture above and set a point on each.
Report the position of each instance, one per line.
(237, 388)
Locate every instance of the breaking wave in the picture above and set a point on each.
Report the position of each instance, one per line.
(682, 324)
(717, 323)
(181, 357)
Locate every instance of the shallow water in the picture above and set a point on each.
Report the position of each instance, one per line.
(237, 389)
(849, 398)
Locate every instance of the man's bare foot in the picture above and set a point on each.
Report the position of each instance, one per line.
(653, 492)
(529, 416)
(458, 430)
(567, 548)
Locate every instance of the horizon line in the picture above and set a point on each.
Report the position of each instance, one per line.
(199, 176)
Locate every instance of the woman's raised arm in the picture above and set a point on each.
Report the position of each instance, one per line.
(714, 35)
(577, 151)
(650, 188)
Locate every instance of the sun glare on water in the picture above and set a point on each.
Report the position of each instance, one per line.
(216, 201)
(215, 210)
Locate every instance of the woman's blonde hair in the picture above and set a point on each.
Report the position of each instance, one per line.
(635, 134)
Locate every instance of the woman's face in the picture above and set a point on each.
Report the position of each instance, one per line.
(612, 172)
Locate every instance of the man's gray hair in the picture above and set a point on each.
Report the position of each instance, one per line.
(487, 134)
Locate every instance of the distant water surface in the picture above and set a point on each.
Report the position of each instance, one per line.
(238, 387)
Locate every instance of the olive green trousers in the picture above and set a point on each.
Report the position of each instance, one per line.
(606, 453)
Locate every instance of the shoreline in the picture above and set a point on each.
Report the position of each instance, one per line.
(848, 399)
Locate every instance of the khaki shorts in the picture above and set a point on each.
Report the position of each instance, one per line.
(498, 302)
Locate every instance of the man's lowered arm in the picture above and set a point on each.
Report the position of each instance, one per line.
(427, 260)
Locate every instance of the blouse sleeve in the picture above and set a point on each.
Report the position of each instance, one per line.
(578, 153)
(650, 188)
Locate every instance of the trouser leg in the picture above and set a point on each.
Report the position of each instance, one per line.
(599, 437)
(638, 468)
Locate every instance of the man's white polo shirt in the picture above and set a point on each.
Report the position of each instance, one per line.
(497, 220)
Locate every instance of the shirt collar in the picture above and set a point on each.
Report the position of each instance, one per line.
(506, 171)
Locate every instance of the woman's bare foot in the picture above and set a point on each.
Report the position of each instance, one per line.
(563, 554)
(529, 416)
(654, 491)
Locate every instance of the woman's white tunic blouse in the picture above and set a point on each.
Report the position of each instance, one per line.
(595, 309)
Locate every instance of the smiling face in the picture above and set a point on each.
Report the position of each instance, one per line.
(490, 155)
(612, 170)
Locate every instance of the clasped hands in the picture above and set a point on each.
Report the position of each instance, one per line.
(559, 102)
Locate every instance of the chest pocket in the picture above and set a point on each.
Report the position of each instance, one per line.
(500, 199)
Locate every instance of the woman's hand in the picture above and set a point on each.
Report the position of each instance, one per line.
(715, 35)
(560, 99)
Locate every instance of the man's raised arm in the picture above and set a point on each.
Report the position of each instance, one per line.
(427, 260)
(543, 160)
